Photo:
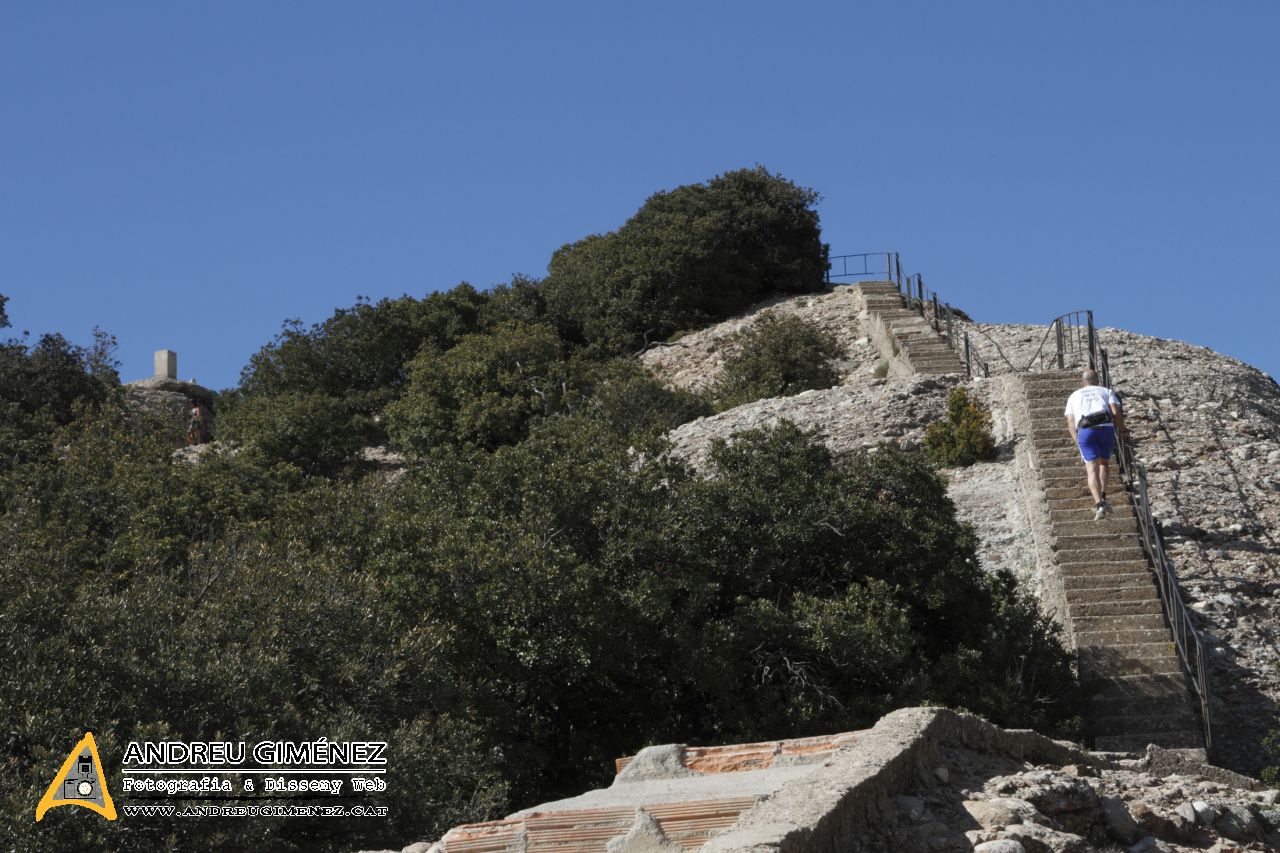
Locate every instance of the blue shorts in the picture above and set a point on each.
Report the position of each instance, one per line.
(1096, 442)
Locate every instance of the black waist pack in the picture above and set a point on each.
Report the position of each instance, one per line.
(1095, 419)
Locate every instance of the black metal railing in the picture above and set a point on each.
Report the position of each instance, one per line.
(1186, 638)
(1075, 343)
(886, 264)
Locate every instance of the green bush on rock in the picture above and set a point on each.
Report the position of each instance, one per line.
(964, 436)
(776, 357)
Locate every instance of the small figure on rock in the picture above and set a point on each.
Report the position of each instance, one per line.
(1093, 416)
(195, 425)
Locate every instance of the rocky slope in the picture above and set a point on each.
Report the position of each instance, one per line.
(1207, 426)
(694, 360)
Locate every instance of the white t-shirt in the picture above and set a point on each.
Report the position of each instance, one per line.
(1089, 400)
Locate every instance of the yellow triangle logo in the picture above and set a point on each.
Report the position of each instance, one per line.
(79, 783)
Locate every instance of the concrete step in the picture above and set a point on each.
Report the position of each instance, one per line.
(1084, 512)
(1138, 743)
(1046, 394)
(1157, 650)
(1093, 595)
(1063, 468)
(1067, 488)
(1109, 582)
(1067, 491)
(1103, 567)
(1148, 724)
(1145, 607)
(1110, 667)
(1068, 559)
(1119, 500)
(1094, 542)
(1142, 622)
(1046, 430)
(1088, 527)
(1122, 636)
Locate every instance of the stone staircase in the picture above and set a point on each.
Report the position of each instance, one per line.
(923, 349)
(1136, 691)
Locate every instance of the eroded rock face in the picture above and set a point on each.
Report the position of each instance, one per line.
(169, 400)
(1208, 429)
(993, 803)
(1207, 426)
(848, 418)
(695, 360)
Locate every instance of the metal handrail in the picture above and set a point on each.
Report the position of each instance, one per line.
(1186, 638)
(1074, 336)
(867, 263)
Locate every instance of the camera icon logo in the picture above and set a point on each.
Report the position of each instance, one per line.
(79, 782)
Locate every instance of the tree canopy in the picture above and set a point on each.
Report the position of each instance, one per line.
(688, 257)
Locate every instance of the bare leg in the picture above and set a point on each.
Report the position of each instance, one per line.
(1091, 473)
(1104, 468)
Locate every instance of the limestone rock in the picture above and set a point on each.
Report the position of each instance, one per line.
(1041, 839)
(1001, 811)
(1119, 824)
(1003, 845)
(645, 836)
(655, 762)
(1238, 823)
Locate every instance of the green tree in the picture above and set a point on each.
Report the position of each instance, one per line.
(964, 436)
(776, 357)
(317, 433)
(360, 353)
(688, 257)
(484, 390)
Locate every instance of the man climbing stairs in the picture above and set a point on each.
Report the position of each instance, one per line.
(1129, 669)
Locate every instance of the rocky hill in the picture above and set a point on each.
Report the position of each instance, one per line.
(1207, 427)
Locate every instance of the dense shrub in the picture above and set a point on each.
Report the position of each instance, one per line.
(43, 386)
(964, 436)
(362, 352)
(776, 357)
(313, 431)
(688, 257)
(482, 391)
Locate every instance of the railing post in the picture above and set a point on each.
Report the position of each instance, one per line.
(1093, 343)
(935, 313)
(1057, 333)
(968, 371)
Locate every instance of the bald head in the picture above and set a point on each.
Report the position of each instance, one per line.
(1090, 377)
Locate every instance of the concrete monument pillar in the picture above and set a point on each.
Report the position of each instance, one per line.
(166, 364)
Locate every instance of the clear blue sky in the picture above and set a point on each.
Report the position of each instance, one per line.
(190, 175)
